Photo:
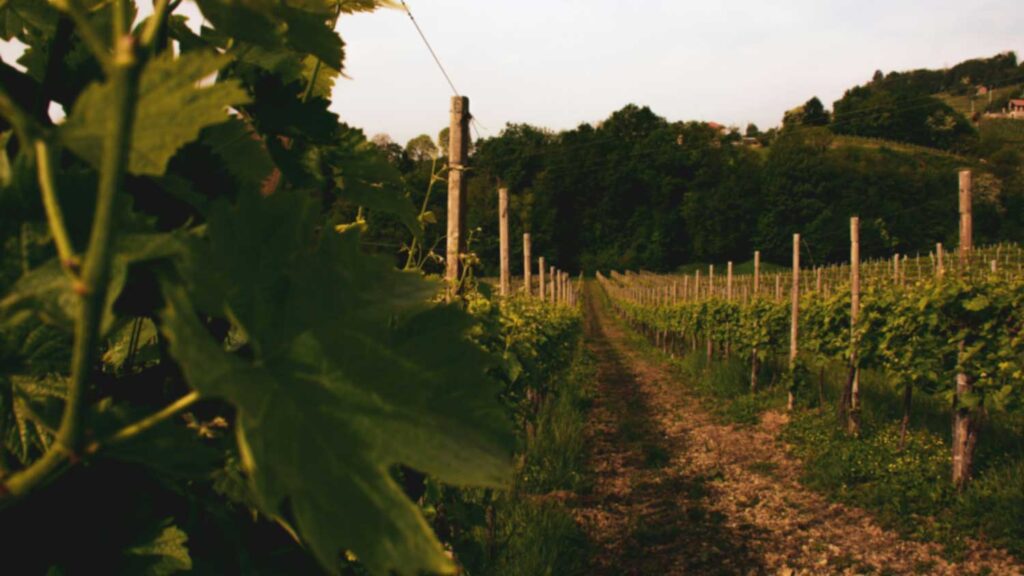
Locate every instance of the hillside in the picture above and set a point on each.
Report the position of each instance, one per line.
(930, 108)
(993, 101)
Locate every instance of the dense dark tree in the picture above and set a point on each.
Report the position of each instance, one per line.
(638, 192)
(421, 148)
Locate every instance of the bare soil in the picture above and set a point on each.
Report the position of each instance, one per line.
(675, 492)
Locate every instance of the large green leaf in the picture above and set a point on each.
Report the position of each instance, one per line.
(366, 178)
(46, 291)
(17, 15)
(172, 110)
(242, 150)
(350, 370)
(302, 27)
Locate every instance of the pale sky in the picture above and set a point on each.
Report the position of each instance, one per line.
(558, 63)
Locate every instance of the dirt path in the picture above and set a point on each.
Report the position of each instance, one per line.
(676, 493)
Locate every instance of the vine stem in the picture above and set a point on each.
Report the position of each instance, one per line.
(155, 22)
(44, 165)
(92, 285)
(24, 125)
(146, 424)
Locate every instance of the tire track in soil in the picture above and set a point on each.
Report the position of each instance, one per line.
(676, 493)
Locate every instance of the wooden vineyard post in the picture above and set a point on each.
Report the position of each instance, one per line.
(754, 360)
(965, 433)
(728, 297)
(503, 243)
(556, 280)
(817, 282)
(940, 266)
(551, 284)
(540, 292)
(696, 296)
(527, 266)
(966, 221)
(757, 271)
(458, 148)
(711, 294)
(850, 405)
(794, 326)
(778, 287)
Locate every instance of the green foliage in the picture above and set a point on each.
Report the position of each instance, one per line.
(252, 378)
(172, 111)
(906, 486)
(357, 390)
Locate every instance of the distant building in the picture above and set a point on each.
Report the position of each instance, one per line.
(1016, 108)
(717, 127)
(982, 91)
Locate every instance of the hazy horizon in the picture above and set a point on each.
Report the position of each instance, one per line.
(559, 64)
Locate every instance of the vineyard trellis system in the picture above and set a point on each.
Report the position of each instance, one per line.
(948, 326)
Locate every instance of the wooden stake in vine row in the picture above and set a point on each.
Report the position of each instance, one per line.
(458, 148)
(527, 266)
(728, 296)
(541, 291)
(754, 361)
(794, 326)
(850, 404)
(711, 294)
(551, 285)
(503, 243)
(965, 433)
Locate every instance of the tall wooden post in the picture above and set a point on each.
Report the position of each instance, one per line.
(794, 325)
(527, 266)
(458, 149)
(754, 359)
(966, 220)
(711, 294)
(728, 282)
(940, 266)
(817, 282)
(965, 432)
(551, 285)
(851, 395)
(757, 272)
(503, 243)
(542, 290)
(728, 297)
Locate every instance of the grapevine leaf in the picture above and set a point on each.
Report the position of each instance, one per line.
(47, 292)
(976, 304)
(352, 371)
(242, 151)
(162, 555)
(172, 111)
(17, 15)
(275, 25)
(367, 179)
